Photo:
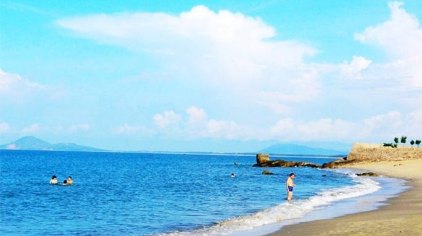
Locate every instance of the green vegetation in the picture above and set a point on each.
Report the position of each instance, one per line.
(393, 145)
(403, 140)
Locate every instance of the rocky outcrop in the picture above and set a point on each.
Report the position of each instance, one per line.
(367, 174)
(282, 163)
(337, 163)
(262, 158)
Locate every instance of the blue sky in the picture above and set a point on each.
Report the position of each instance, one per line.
(210, 75)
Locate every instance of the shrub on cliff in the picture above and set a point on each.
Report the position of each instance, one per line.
(403, 139)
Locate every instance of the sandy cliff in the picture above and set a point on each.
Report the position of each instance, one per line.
(376, 152)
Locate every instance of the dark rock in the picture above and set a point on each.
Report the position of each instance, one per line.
(311, 165)
(367, 174)
(336, 163)
(282, 163)
(263, 160)
(267, 172)
(328, 165)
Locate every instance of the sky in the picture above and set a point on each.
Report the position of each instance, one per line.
(220, 76)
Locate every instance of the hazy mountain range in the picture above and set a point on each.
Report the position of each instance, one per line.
(288, 148)
(33, 143)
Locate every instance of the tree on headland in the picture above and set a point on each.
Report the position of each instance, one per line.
(417, 142)
(412, 142)
(403, 139)
(396, 140)
(388, 145)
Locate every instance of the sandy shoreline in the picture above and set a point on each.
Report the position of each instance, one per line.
(401, 216)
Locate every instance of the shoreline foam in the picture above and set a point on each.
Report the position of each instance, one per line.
(316, 207)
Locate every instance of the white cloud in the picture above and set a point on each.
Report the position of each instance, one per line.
(126, 129)
(167, 119)
(4, 127)
(401, 38)
(31, 129)
(395, 124)
(79, 128)
(225, 52)
(196, 115)
(228, 130)
(194, 29)
(321, 129)
(380, 127)
(11, 146)
(12, 85)
(355, 67)
(194, 123)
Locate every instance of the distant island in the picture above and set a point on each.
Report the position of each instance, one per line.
(33, 143)
(287, 148)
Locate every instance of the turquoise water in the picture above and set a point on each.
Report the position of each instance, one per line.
(147, 193)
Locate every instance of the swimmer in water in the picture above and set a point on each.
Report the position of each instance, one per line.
(69, 180)
(232, 175)
(54, 180)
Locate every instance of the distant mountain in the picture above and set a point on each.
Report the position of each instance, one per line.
(33, 143)
(299, 150)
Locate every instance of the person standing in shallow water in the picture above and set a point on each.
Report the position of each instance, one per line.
(289, 186)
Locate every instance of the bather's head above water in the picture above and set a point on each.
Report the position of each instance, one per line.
(69, 180)
(53, 180)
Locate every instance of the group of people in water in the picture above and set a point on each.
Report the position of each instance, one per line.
(55, 181)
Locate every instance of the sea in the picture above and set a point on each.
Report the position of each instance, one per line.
(120, 193)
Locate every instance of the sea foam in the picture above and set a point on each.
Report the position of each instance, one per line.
(288, 211)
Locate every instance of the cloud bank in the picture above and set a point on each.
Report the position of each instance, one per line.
(255, 84)
(224, 52)
(401, 38)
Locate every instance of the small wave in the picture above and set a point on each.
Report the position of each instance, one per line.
(287, 211)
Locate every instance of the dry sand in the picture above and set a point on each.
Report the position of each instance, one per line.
(401, 216)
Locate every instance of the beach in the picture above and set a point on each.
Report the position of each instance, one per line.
(402, 215)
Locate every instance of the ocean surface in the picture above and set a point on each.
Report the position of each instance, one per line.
(170, 194)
